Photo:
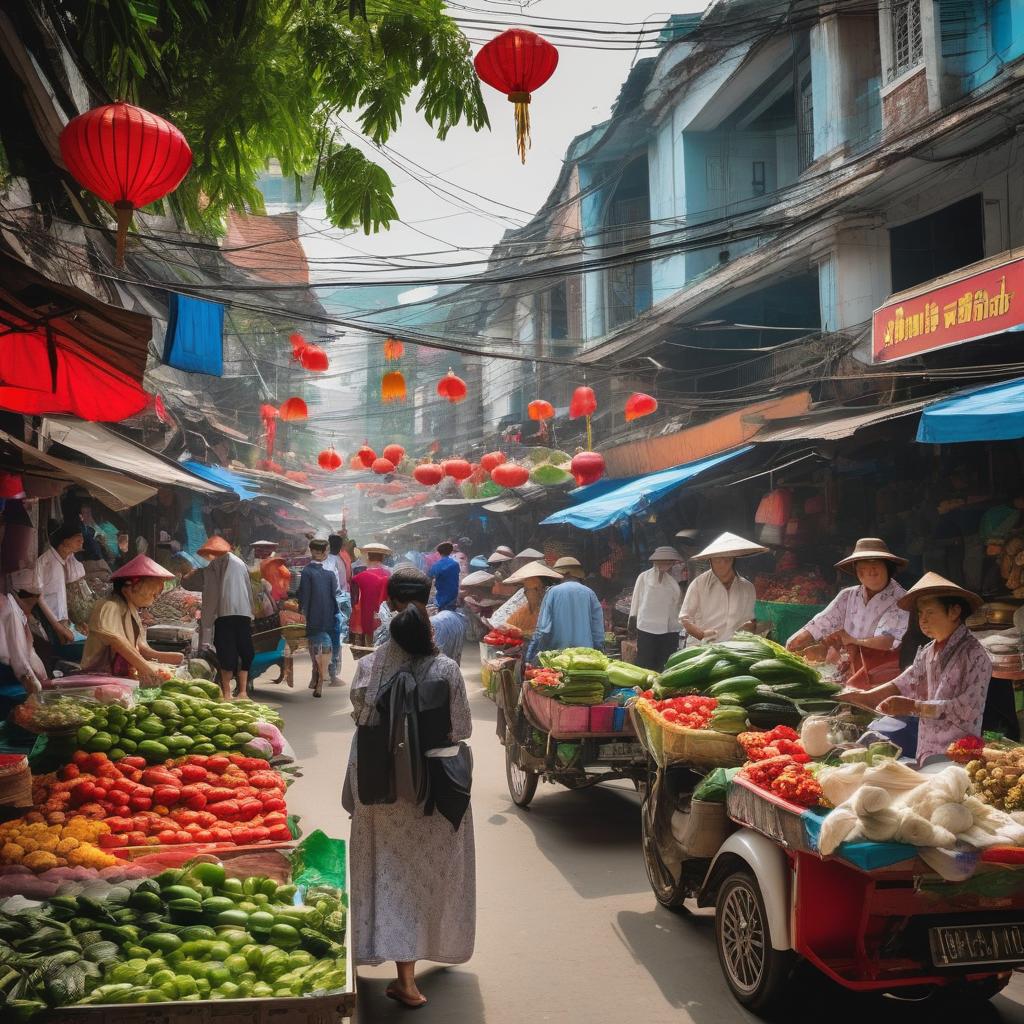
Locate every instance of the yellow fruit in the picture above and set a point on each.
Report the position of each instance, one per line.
(41, 861)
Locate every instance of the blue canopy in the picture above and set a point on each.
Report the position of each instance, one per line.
(223, 477)
(637, 495)
(603, 486)
(994, 413)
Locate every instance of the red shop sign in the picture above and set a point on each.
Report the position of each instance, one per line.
(975, 307)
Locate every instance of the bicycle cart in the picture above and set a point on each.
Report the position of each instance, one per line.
(873, 916)
(574, 746)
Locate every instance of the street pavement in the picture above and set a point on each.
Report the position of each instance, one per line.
(567, 928)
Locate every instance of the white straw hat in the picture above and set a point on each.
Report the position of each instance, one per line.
(534, 570)
(665, 554)
(729, 545)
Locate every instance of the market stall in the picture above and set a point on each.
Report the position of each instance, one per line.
(153, 860)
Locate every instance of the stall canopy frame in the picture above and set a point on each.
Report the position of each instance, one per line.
(637, 496)
(992, 413)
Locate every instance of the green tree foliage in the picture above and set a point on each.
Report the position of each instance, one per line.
(251, 80)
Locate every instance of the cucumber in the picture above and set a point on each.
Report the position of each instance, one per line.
(766, 716)
(724, 668)
(686, 654)
(743, 687)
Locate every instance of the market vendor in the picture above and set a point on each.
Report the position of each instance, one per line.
(535, 579)
(570, 616)
(720, 601)
(116, 644)
(570, 568)
(946, 687)
(654, 610)
(58, 569)
(865, 621)
(477, 602)
(21, 671)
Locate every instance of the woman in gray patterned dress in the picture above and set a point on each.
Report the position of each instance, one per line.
(413, 875)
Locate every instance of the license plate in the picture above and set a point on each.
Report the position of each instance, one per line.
(616, 751)
(961, 945)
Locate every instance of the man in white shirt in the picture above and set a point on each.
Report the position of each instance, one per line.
(57, 567)
(719, 602)
(654, 611)
(18, 660)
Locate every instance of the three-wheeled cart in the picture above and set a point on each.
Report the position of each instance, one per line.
(873, 917)
(575, 746)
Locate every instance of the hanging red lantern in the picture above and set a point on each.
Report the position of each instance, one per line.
(268, 414)
(366, 455)
(638, 404)
(451, 387)
(293, 409)
(540, 410)
(489, 461)
(392, 387)
(127, 156)
(429, 474)
(298, 344)
(329, 459)
(393, 350)
(382, 467)
(394, 453)
(515, 63)
(509, 474)
(587, 467)
(583, 403)
(314, 359)
(459, 469)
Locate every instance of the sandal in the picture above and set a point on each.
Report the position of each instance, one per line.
(392, 992)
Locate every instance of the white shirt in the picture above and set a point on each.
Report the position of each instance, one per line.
(16, 640)
(54, 575)
(655, 603)
(337, 566)
(710, 605)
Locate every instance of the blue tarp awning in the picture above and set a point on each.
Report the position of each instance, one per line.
(223, 477)
(993, 413)
(637, 495)
(592, 491)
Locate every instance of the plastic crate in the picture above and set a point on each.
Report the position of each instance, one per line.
(560, 720)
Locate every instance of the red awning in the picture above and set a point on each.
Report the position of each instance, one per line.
(43, 372)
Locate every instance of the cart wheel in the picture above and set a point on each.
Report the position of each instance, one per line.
(668, 890)
(755, 971)
(522, 785)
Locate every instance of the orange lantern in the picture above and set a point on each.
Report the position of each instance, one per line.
(459, 469)
(366, 455)
(393, 350)
(392, 387)
(394, 453)
(489, 461)
(540, 410)
(382, 467)
(638, 404)
(508, 474)
(428, 474)
(329, 459)
(451, 387)
(294, 409)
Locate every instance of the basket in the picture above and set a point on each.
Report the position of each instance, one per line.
(672, 744)
(15, 781)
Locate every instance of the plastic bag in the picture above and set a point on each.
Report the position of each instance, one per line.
(715, 785)
(319, 860)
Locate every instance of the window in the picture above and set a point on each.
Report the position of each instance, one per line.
(907, 38)
(805, 125)
(559, 311)
(938, 243)
(758, 183)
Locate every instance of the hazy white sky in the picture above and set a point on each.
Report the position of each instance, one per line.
(579, 95)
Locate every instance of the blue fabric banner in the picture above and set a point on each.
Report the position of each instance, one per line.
(195, 336)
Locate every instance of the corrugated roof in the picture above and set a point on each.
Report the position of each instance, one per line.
(833, 424)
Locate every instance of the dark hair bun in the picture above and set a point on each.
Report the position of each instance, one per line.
(411, 630)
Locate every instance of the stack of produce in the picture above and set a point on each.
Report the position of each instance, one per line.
(74, 842)
(177, 606)
(688, 712)
(786, 778)
(198, 799)
(762, 746)
(583, 672)
(52, 713)
(175, 724)
(997, 775)
(771, 683)
(808, 587)
(506, 637)
(189, 935)
(543, 678)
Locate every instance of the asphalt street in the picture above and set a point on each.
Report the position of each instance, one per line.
(567, 928)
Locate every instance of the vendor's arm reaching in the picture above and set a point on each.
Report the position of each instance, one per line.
(690, 613)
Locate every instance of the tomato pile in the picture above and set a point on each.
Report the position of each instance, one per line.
(196, 799)
(691, 712)
(544, 678)
(786, 778)
(503, 638)
(760, 746)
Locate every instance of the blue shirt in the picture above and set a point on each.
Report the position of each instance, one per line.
(450, 633)
(320, 598)
(570, 616)
(445, 573)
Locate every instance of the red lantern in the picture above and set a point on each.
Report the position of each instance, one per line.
(393, 350)
(269, 416)
(459, 469)
(382, 467)
(540, 410)
(314, 359)
(127, 156)
(394, 453)
(489, 461)
(294, 409)
(516, 63)
(638, 404)
(451, 387)
(329, 459)
(298, 344)
(587, 467)
(392, 387)
(366, 455)
(428, 474)
(583, 403)
(508, 474)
